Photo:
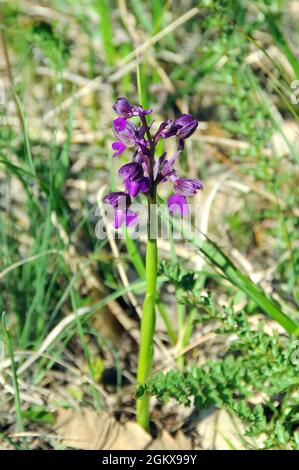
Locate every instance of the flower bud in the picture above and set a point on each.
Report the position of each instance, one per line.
(183, 126)
(123, 108)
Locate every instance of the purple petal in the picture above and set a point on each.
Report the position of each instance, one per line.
(119, 217)
(133, 171)
(187, 186)
(145, 184)
(118, 199)
(124, 216)
(159, 134)
(131, 218)
(125, 131)
(144, 149)
(158, 165)
(167, 168)
(139, 111)
(186, 126)
(119, 148)
(119, 124)
(123, 108)
(141, 158)
(183, 126)
(133, 187)
(177, 203)
(146, 111)
(141, 133)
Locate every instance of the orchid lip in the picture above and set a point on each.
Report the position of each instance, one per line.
(133, 187)
(177, 203)
(119, 124)
(124, 216)
(119, 148)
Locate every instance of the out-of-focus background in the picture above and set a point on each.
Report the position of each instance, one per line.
(232, 64)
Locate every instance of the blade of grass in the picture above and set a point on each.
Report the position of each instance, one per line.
(167, 322)
(9, 345)
(281, 42)
(27, 147)
(105, 11)
(27, 260)
(218, 259)
(140, 13)
(181, 308)
(87, 354)
(158, 9)
(11, 442)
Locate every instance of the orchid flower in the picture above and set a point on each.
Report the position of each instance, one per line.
(144, 173)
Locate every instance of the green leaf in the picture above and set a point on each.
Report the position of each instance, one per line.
(37, 414)
(219, 260)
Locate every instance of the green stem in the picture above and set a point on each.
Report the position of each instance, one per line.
(140, 269)
(181, 312)
(146, 352)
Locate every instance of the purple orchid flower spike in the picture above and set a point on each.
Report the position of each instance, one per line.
(144, 173)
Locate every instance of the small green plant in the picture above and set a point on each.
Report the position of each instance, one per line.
(256, 379)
